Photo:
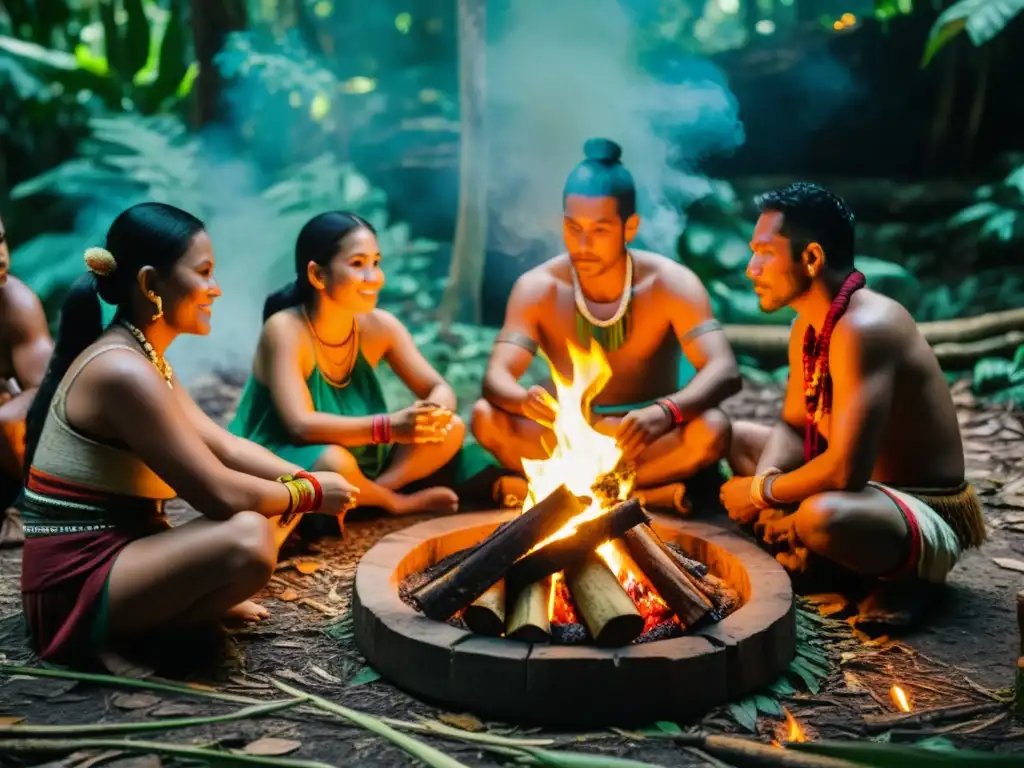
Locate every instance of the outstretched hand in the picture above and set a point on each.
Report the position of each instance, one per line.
(639, 428)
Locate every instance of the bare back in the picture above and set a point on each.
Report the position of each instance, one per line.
(920, 444)
(668, 301)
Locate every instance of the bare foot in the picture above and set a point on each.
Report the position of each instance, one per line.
(247, 611)
(428, 500)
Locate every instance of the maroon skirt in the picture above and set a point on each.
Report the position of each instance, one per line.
(63, 574)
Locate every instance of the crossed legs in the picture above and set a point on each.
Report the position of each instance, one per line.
(408, 464)
(862, 531)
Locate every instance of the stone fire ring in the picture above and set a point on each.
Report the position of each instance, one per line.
(561, 685)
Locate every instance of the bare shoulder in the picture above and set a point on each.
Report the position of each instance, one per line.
(669, 274)
(538, 283)
(19, 304)
(380, 322)
(282, 327)
(874, 323)
(120, 372)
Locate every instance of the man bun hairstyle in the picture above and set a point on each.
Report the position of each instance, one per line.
(602, 174)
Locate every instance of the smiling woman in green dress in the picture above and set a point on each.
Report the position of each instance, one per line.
(314, 398)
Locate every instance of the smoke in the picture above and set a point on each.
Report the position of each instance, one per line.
(562, 72)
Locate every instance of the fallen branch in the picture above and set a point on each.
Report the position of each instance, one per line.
(954, 341)
(154, 725)
(879, 723)
(210, 756)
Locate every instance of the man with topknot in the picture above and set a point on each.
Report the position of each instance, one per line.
(645, 310)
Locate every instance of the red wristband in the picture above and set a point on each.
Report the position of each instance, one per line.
(673, 409)
(381, 429)
(318, 490)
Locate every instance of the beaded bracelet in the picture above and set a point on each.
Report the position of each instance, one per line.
(318, 490)
(381, 433)
(673, 410)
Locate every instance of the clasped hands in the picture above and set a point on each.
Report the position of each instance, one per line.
(633, 432)
(421, 422)
(774, 526)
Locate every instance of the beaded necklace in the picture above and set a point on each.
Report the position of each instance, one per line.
(817, 379)
(612, 333)
(159, 361)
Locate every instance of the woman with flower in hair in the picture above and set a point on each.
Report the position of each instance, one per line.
(112, 435)
(314, 398)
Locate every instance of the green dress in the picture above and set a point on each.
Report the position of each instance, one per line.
(257, 420)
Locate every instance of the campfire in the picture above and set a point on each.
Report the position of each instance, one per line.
(580, 563)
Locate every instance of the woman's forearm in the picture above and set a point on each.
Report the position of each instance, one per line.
(246, 456)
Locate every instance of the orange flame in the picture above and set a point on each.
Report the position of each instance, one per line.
(794, 731)
(900, 699)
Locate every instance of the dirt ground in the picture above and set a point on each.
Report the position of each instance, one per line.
(966, 654)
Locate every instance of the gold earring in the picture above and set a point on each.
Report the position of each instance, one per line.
(159, 302)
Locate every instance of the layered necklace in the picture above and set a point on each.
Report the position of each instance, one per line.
(817, 378)
(159, 361)
(343, 360)
(612, 333)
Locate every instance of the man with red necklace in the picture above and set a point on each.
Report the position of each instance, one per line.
(865, 467)
(645, 311)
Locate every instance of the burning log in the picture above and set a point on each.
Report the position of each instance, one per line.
(607, 610)
(673, 583)
(570, 552)
(529, 621)
(486, 614)
(488, 563)
(671, 496)
(724, 598)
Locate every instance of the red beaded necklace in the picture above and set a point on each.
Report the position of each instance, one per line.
(817, 379)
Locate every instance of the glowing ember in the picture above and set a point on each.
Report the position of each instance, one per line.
(900, 699)
(582, 459)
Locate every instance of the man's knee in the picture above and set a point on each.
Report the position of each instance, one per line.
(481, 422)
(252, 552)
(822, 518)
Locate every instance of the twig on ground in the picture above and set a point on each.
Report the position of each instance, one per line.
(51, 746)
(155, 725)
(711, 760)
(878, 723)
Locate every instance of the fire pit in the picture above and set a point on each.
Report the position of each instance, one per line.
(656, 618)
(580, 685)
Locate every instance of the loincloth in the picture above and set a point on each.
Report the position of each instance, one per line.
(942, 523)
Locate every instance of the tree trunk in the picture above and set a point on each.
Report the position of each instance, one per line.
(462, 295)
(211, 25)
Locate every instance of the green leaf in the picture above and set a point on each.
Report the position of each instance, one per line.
(813, 654)
(782, 687)
(938, 743)
(991, 374)
(768, 706)
(983, 20)
(882, 755)
(809, 678)
(1018, 360)
(745, 713)
(667, 727)
(136, 38)
(582, 760)
(973, 213)
(365, 675)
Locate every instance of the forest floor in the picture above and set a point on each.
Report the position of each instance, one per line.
(967, 652)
